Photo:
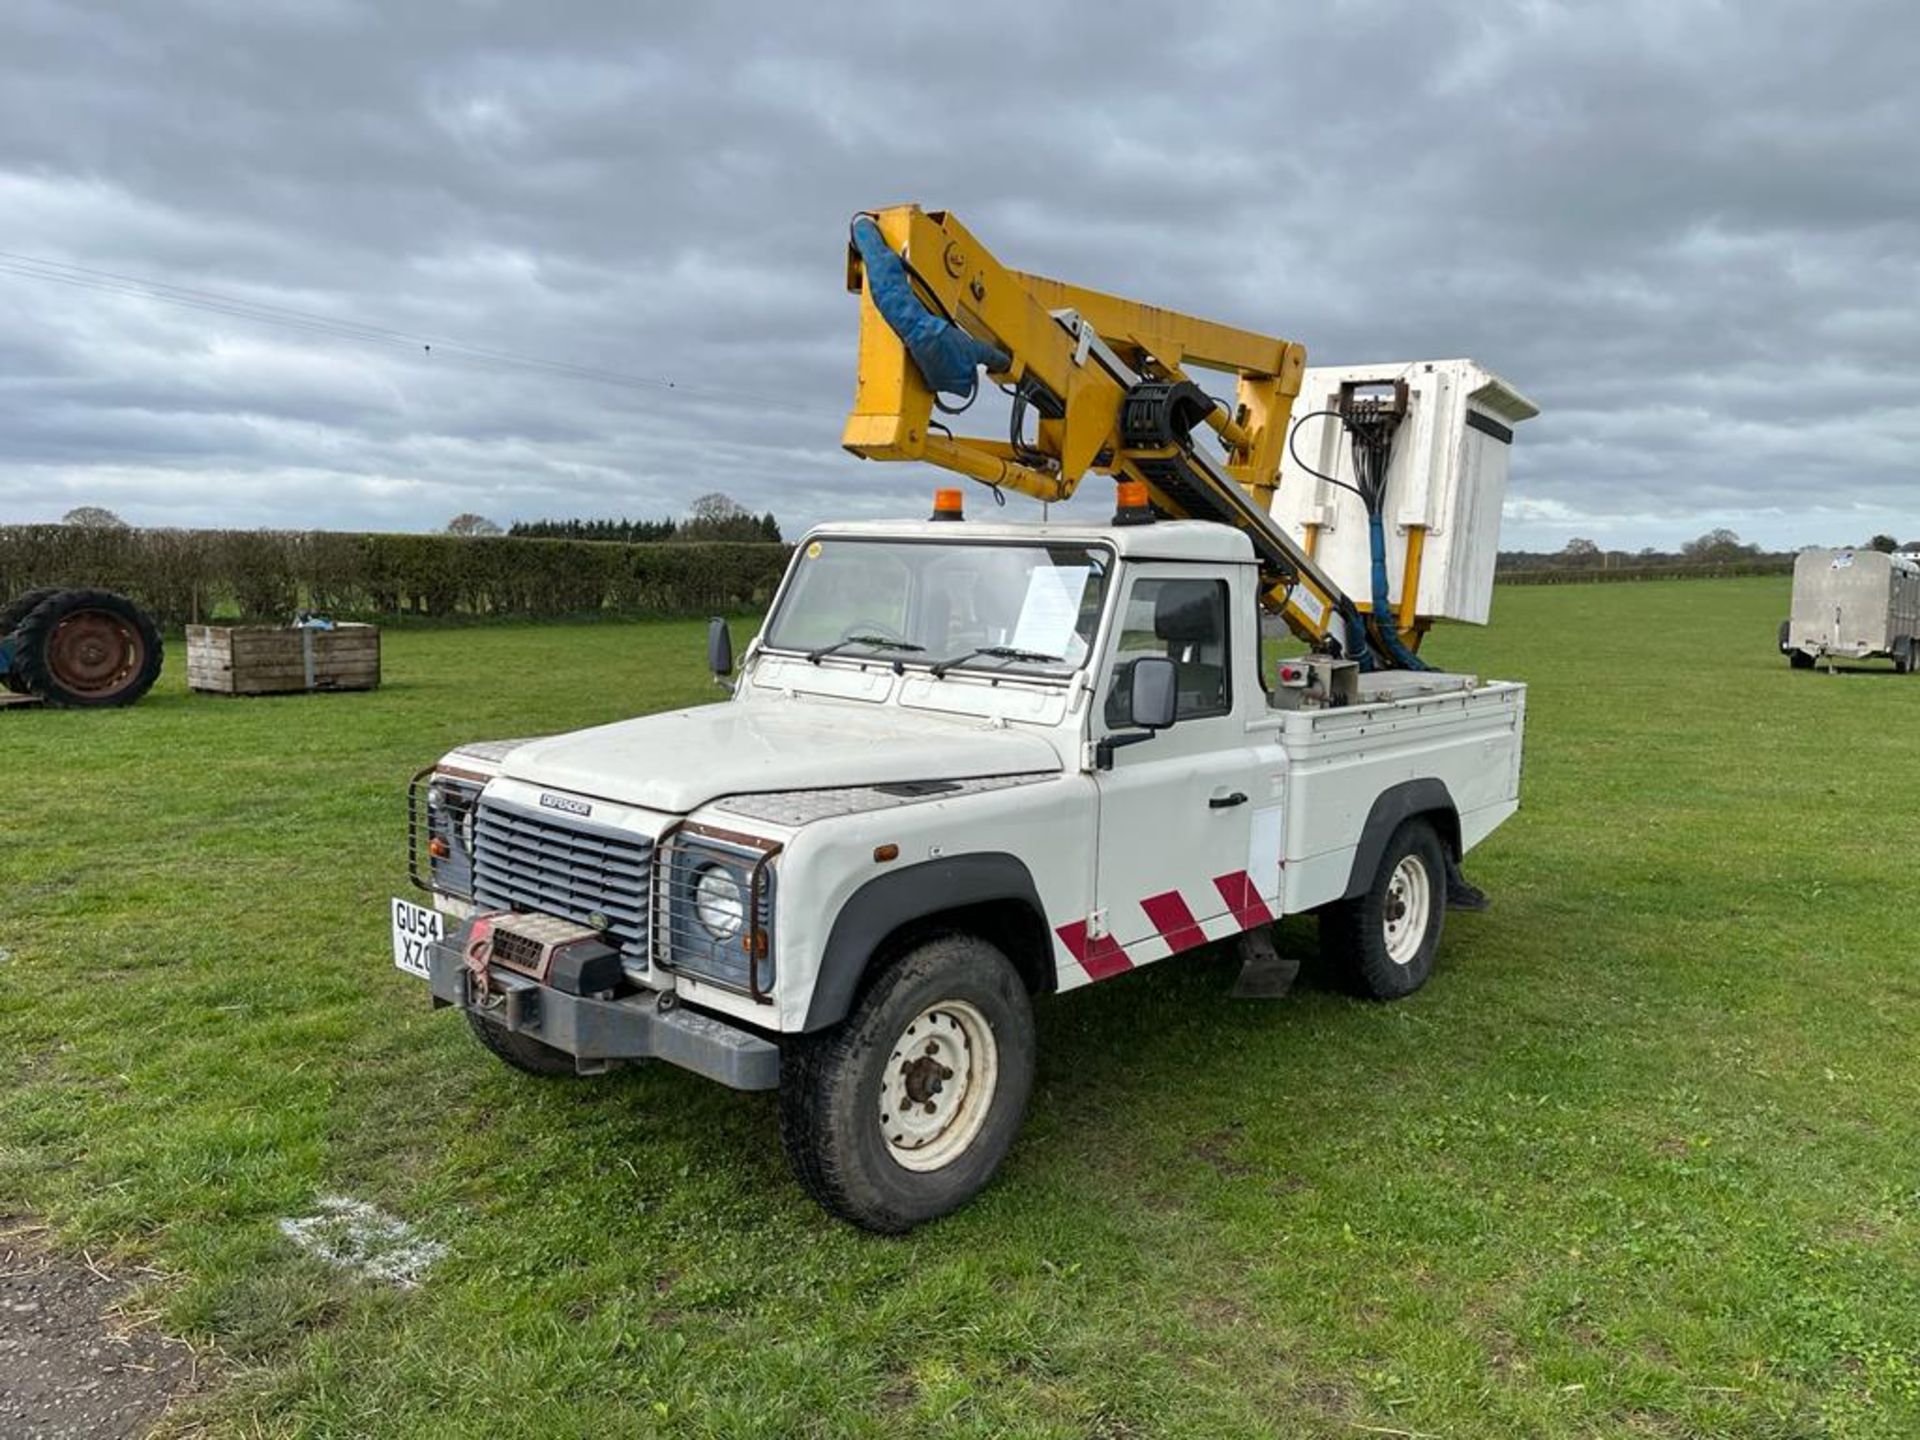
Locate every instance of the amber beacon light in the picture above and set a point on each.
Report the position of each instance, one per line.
(1131, 505)
(946, 506)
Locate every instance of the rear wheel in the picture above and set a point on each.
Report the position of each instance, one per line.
(904, 1111)
(1384, 939)
(11, 614)
(88, 648)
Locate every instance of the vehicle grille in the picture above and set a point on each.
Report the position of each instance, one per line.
(527, 862)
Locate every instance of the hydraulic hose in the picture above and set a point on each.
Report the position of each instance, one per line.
(1386, 634)
(1373, 428)
(946, 356)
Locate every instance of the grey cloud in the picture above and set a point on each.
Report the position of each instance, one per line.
(1689, 230)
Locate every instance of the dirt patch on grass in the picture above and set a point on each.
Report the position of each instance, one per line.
(72, 1361)
(1217, 1312)
(1217, 1150)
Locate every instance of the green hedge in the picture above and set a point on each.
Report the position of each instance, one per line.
(186, 575)
(1621, 573)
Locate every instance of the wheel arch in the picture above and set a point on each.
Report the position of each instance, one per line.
(989, 894)
(1428, 798)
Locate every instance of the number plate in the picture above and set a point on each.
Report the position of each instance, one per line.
(415, 927)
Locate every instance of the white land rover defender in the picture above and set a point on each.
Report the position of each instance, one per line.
(964, 766)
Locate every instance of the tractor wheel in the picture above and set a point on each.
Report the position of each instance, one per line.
(11, 614)
(88, 648)
(21, 606)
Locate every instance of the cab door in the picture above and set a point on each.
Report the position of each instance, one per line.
(1177, 832)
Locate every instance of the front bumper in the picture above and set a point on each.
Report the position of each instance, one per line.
(641, 1027)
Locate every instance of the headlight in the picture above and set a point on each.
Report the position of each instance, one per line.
(713, 918)
(450, 810)
(718, 901)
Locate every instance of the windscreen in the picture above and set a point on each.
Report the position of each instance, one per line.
(986, 605)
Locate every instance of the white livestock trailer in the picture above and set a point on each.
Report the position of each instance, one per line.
(1853, 605)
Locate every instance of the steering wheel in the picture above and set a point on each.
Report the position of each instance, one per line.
(872, 627)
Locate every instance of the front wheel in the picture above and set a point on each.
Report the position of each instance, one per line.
(522, 1052)
(904, 1111)
(1384, 939)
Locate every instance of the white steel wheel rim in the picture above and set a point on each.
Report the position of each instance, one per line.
(1408, 903)
(937, 1086)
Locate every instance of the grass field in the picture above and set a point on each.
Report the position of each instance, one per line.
(1644, 1158)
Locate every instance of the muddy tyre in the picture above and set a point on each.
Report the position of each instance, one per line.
(23, 605)
(11, 614)
(903, 1111)
(1382, 942)
(87, 648)
(522, 1052)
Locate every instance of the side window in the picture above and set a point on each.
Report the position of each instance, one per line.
(1185, 620)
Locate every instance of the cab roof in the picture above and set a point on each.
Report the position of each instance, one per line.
(1162, 540)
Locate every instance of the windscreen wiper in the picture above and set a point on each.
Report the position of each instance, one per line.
(876, 642)
(992, 652)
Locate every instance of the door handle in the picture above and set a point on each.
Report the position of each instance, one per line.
(1227, 802)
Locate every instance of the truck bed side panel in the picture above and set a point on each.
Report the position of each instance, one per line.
(1340, 760)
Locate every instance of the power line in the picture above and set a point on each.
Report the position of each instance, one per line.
(115, 283)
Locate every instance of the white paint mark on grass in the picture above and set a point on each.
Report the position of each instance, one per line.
(369, 1242)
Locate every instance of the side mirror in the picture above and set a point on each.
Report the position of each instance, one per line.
(1155, 692)
(719, 648)
(1153, 695)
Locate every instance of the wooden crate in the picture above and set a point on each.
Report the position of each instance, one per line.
(276, 660)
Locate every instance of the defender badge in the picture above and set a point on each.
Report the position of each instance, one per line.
(567, 803)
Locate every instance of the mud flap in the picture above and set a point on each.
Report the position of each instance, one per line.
(1461, 893)
(1265, 974)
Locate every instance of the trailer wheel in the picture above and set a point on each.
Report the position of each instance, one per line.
(1903, 656)
(88, 648)
(1384, 939)
(904, 1111)
(522, 1052)
(1800, 660)
(11, 614)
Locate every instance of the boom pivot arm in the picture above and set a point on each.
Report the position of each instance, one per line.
(1105, 377)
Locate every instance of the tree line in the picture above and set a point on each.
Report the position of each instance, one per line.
(713, 517)
(1715, 548)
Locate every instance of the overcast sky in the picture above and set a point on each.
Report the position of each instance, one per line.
(1687, 230)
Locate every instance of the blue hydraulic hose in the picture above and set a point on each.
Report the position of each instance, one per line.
(945, 355)
(1385, 633)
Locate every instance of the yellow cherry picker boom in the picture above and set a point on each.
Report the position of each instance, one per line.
(1108, 383)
